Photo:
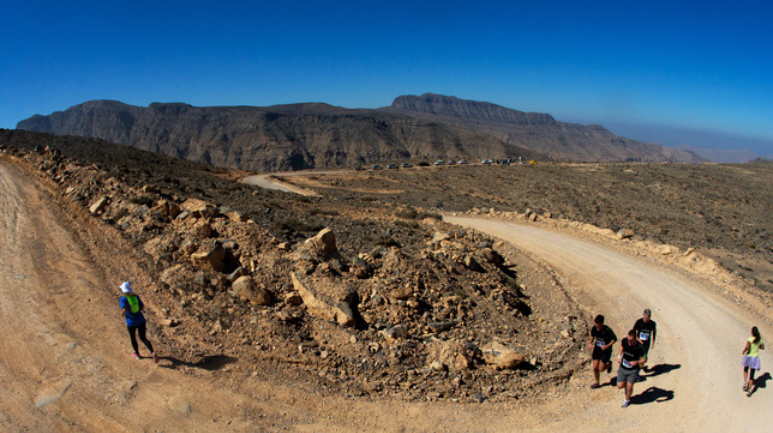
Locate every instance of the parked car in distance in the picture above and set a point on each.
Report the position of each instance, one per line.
(375, 167)
(360, 168)
(451, 163)
(463, 161)
(392, 166)
(406, 165)
(423, 164)
(487, 161)
(439, 162)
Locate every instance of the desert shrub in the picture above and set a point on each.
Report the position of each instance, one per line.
(368, 199)
(408, 214)
(410, 224)
(143, 199)
(291, 225)
(328, 212)
(383, 240)
(432, 215)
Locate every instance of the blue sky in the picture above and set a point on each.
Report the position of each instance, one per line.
(643, 69)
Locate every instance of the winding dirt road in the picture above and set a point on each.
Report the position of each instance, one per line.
(65, 364)
(700, 335)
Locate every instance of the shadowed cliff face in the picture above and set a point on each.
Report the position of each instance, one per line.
(536, 131)
(277, 138)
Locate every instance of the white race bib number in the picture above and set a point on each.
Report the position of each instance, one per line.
(600, 343)
(627, 364)
(643, 336)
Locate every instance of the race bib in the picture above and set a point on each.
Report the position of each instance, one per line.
(644, 336)
(627, 364)
(599, 343)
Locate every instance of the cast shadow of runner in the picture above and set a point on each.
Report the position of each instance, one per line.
(210, 363)
(761, 382)
(652, 394)
(657, 370)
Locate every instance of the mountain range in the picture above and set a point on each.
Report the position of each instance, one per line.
(318, 135)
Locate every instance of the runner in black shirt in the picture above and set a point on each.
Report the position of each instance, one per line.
(631, 358)
(646, 331)
(602, 339)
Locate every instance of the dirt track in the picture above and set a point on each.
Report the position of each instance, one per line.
(698, 384)
(52, 294)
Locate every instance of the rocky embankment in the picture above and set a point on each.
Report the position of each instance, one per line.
(450, 317)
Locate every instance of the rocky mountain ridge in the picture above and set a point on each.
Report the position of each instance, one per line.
(318, 135)
(537, 131)
(276, 138)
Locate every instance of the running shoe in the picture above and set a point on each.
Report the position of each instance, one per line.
(749, 392)
(745, 386)
(609, 368)
(626, 403)
(136, 356)
(594, 386)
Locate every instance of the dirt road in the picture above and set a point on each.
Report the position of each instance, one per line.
(700, 335)
(65, 364)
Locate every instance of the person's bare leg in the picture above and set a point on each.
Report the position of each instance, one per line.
(596, 370)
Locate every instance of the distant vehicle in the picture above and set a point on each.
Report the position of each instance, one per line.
(423, 164)
(532, 162)
(463, 161)
(504, 162)
(359, 168)
(406, 165)
(392, 166)
(375, 167)
(487, 161)
(439, 162)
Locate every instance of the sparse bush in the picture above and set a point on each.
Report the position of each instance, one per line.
(328, 212)
(410, 224)
(142, 200)
(291, 225)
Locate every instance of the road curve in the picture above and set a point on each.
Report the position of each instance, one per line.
(700, 335)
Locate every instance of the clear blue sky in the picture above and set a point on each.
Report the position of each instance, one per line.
(688, 66)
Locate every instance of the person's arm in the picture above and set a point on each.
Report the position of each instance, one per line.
(620, 355)
(746, 349)
(654, 333)
(762, 346)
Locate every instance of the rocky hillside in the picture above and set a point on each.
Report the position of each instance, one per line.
(277, 138)
(537, 131)
(349, 297)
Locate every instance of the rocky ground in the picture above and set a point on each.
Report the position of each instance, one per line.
(335, 295)
(720, 210)
(388, 301)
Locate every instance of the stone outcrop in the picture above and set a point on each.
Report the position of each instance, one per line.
(246, 288)
(326, 299)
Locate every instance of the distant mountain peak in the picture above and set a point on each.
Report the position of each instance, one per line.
(451, 106)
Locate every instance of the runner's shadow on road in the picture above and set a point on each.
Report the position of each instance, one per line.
(210, 363)
(652, 394)
(761, 382)
(657, 370)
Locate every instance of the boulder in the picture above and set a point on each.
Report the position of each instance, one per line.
(246, 288)
(395, 333)
(166, 208)
(99, 205)
(236, 215)
(324, 242)
(326, 298)
(625, 234)
(456, 355)
(199, 208)
(210, 256)
(402, 292)
(502, 357)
